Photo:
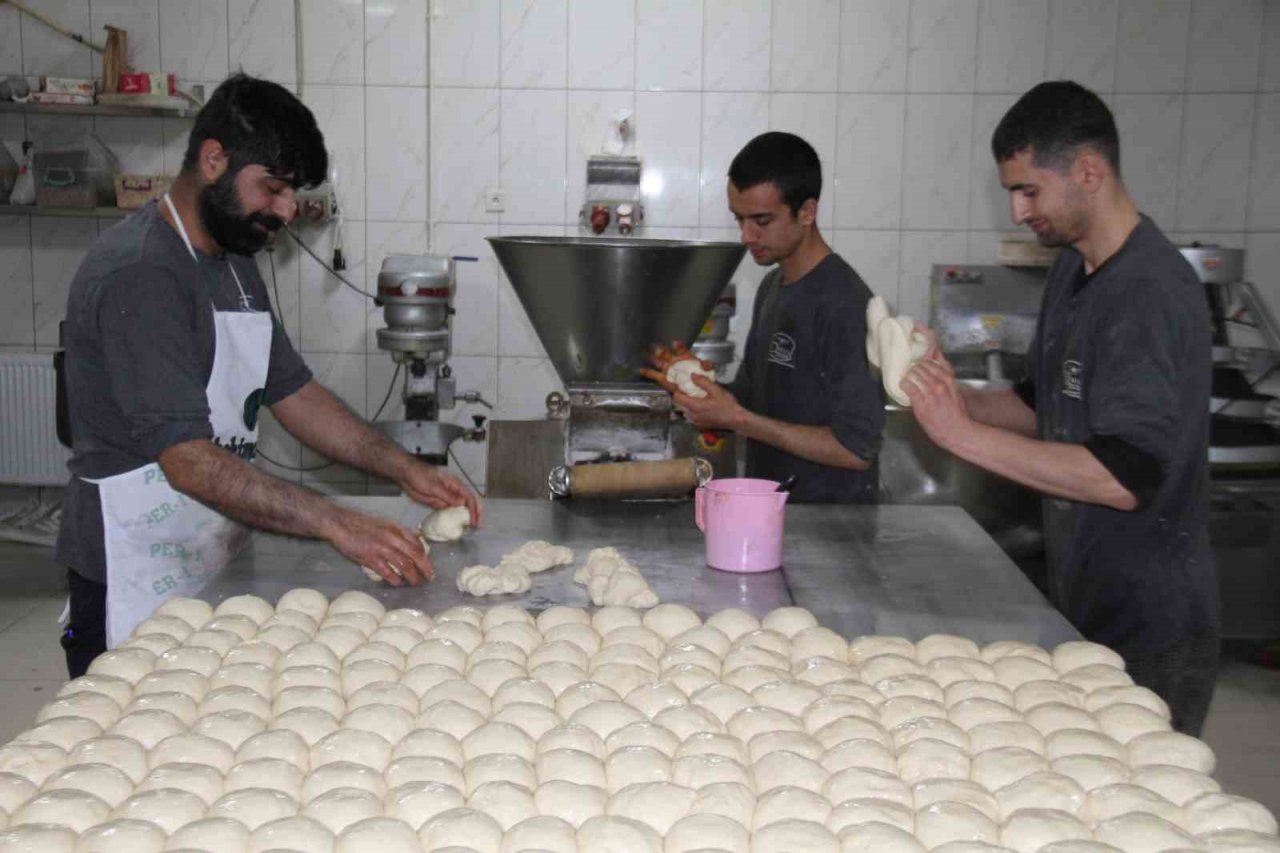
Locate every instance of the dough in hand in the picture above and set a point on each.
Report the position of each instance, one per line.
(894, 346)
(446, 525)
(681, 373)
(612, 581)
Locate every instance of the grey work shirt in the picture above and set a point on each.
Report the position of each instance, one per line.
(1122, 366)
(139, 342)
(805, 363)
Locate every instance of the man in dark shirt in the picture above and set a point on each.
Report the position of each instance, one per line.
(171, 353)
(1112, 425)
(803, 397)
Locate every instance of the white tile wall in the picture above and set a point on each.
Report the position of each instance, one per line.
(426, 104)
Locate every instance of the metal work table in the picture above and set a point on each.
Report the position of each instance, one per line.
(906, 570)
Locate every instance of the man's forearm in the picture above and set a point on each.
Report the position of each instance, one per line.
(1002, 408)
(1063, 470)
(322, 422)
(236, 489)
(814, 443)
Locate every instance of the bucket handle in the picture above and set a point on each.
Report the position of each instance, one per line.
(699, 501)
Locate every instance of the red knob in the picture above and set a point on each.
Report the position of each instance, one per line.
(599, 218)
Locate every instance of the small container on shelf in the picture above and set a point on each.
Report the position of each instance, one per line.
(79, 176)
(134, 191)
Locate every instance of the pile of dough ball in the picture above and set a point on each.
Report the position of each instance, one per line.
(342, 726)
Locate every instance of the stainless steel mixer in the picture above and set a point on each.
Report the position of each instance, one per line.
(598, 305)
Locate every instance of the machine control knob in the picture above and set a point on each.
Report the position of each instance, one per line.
(478, 420)
(599, 218)
(409, 288)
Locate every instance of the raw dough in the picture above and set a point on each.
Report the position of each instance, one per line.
(681, 373)
(570, 802)
(342, 807)
(546, 833)
(618, 833)
(102, 780)
(122, 836)
(168, 808)
(612, 581)
(537, 556)
(378, 835)
(785, 836)
(894, 346)
(1211, 812)
(76, 810)
(1031, 829)
(1171, 748)
(446, 525)
(199, 779)
(292, 833)
(506, 579)
(211, 833)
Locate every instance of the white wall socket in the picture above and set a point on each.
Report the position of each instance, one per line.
(495, 200)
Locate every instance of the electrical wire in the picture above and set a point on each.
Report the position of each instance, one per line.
(470, 482)
(304, 247)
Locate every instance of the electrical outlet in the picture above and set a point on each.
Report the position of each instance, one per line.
(318, 205)
(495, 200)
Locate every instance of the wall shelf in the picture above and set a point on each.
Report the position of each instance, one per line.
(33, 210)
(110, 110)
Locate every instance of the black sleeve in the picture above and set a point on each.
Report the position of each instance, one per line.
(857, 398)
(1025, 388)
(147, 323)
(1135, 469)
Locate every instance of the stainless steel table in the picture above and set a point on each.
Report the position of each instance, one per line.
(905, 570)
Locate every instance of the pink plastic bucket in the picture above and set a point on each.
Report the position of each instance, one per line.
(742, 520)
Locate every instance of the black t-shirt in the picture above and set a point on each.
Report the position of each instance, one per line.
(1121, 365)
(805, 363)
(139, 342)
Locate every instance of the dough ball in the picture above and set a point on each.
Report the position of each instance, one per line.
(878, 838)
(415, 803)
(572, 736)
(1178, 785)
(243, 627)
(118, 689)
(354, 746)
(506, 802)
(572, 803)
(128, 664)
(787, 769)
(757, 719)
(42, 837)
(545, 832)
(1056, 716)
(446, 525)
(699, 771)
(860, 783)
(261, 653)
(192, 684)
(1142, 833)
(62, 732)
(792, 834)
(1091, 771)
(197, 659)
(499, 768)
(933, 759)
(464, 634)
(124, 753)
(36, 762)
(961, 791)
(690, 678)
(1125, 721)
(122, 836)
(791, 698)
(421, 768)
(438, 651)
(462, 828)
(1013, 671)
(1029, 830)
(310, 653)
(670, 620)
(1084, 742)
(378, 835)
(429, 743)
(945, 822)
(407, 617)
(254, 807)
(199, 779)
(388, 721)
(937, 646)
(902, 709)
(1096, 676)
(869, 810)
(169, 626)
(292, 833)
(823, 671)
(605, 717)
(384, 693)
(1211, 812)
(244, 700)
(733, 622)
(231, 727)
(451, 717)
(180, 705)
(342, 640)
(498, 739)
(101, 780)
(1077, 653)
(712, 639)
(308, 601)
(775, 643)
(219, 641)
(996, 768)
(521, 634)
(489, 675)
(355, 601)
(931, 728)
(763, 744)
(1014, 648)
(15, 790)
(643, 734)
(363, 673)
(729, 799)
(167, 808)
(1114, 800)
(460, 691)
(681, 373)
(249, 606)
(1128, 694)
(618, 833)
(788, 621)
(951, 670)
(76, 810)
(1240, 841)
(570, 765)
(635, 764)
(561, 615)
(265, 773)
(1032, 694)
(585, 637)
(1045, 789)
(193, 611)
(311, 724)
(343, 807)
(867, 754)
(253, 677)
(523, 691)
(210, 833)
(1173, 748)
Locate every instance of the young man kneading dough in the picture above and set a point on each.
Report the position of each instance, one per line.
(803, 398)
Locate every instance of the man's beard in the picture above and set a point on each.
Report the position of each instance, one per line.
(229, 228)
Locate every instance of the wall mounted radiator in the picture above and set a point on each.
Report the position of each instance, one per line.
(30, 454)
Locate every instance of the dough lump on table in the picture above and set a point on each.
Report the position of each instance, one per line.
(446, 525)
(506, 579)
(537, 555)
(612, 581)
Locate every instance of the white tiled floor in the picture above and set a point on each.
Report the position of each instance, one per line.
(1241, 729)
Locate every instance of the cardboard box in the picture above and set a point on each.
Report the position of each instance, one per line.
(134, 191)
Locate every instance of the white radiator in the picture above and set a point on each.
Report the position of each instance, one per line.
(29, 450)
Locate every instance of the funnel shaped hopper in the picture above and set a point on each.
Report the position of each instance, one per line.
(597, 305)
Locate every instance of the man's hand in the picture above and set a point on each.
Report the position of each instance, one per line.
(718, 410)
(438, 489)
(380, 544)
(662, 358)
(936, 401)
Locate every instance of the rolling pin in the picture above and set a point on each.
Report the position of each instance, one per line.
(667, 478)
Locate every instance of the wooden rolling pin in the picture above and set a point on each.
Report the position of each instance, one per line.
(667, 478)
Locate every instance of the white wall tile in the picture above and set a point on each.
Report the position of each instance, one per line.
(473, 374)
(746, 279)
(1262, 261)
(475, 326)
(867, 192)
(10, 41)
(1150, 129)
(988, 201)
(1152, 50)
(396, 153)
(516, 336)
(669, 45)
(602, 44)
(1226, 36)
(812, 117)
(464, 42)
(1012, 36)
(275, 445)
(55, 131)
(44, 52)
(1214, 177)
(57, 248)
(1082, 42)
(395, 43)
(285, 290)
(1264, 182)
(344, 375)
(935, 191)
(333, 316)
(668, 139)
(1270, 78)
(805, 46)
(138, 143)
(340, 112)
(589, 117)
(193, 38)
(464, 153)
(535, 52)
(873, 45)
(735, 45)
(943, 46)
(381, 378)
(523, 386)
(17, 298)
(920, 251)
(141, 18)
(262, 39)
(729, 121)
(875, 255)
(333, 41)
(175, 132)
(533, 155)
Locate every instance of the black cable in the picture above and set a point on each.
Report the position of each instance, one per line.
(327, 268)
(390, 388)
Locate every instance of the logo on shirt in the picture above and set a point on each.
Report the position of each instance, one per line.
(1072, 385)
(782, 349)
